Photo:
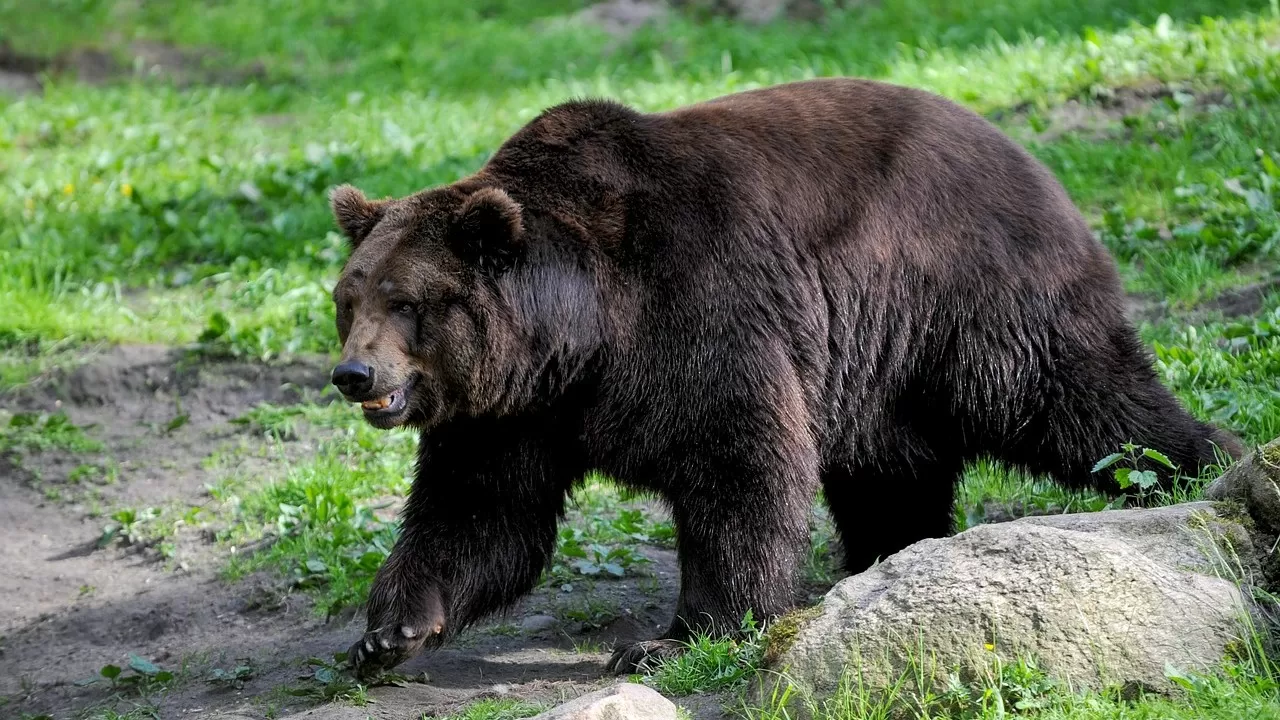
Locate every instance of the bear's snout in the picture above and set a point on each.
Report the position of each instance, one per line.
(353, 378)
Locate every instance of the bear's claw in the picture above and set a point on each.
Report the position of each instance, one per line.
(383, 649)
(644, 656)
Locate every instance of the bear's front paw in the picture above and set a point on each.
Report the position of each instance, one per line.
(393, 637)
(644, 656)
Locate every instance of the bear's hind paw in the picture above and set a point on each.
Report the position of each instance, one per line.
(644, 656)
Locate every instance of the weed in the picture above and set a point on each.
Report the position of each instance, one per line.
(709, 665)
(35, 432)
(140, 678)
(1132, 476)
(330, 680)
(233, 678)
(589, 610)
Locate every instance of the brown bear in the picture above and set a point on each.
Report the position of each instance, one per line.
(834, 284)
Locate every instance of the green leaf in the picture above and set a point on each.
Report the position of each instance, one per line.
(613, 569)
(325, 675)
(142, 665)
(1145, 479)
(110, 672)
(1158, 457)
(573, 550)
(1107, 461)
(316, 566)
(218, 326)
(177, 422)
(1178, 677)
(1122, 477)
(1270, 166)
(108, 534)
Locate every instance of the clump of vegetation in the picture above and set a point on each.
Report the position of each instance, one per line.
(496, 709)
(709, 664)
(37, 432)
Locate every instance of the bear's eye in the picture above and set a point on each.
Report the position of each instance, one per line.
(402, 308)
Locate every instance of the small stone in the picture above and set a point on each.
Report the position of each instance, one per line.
(626, 701)
(538, 623)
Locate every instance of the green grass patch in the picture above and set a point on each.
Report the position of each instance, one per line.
(43, 432)
(496, 709)
(710, 664)
(318, 520)
(316, 523)
(1226, 372)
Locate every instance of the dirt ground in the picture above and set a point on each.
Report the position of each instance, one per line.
(70, 608)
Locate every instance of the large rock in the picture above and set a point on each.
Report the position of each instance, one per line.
(1097, 599)
(626, 701)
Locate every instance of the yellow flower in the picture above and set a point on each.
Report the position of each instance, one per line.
(68, 189)
(989, 647)
(30, 204)
(126, 190)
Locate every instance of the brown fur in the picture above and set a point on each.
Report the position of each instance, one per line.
(833, 284)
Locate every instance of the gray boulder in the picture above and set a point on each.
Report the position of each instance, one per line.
(1098, 599)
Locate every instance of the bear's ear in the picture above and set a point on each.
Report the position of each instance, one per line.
(488, 230)
(355, 214)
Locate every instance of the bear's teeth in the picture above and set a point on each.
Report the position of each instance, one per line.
(376, 404)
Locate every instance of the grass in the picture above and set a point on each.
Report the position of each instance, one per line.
(316, 525)
(36, 432)
(494, 709)
(1020, 689)
(142, 211)
(710, 664)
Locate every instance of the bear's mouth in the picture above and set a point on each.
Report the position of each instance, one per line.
(388, 406)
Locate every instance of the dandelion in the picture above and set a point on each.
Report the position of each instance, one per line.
(990, 647)
(126, 190)
(68, 189)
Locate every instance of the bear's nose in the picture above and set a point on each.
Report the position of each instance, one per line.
(353, 378)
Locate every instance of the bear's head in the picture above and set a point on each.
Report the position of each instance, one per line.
(447, 305)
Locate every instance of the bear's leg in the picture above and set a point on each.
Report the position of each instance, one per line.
(478, 530)
(1103, 402)
(882, 508)
(742, 530)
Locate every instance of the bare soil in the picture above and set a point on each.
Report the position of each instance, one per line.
(1103, 117)
(23, 73)
(70, 608)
